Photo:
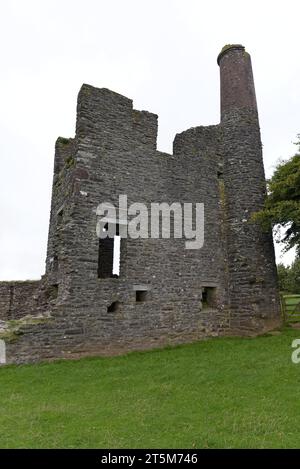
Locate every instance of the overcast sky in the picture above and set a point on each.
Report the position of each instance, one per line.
(160, 53)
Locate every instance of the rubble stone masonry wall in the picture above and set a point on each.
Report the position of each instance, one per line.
(165, 294)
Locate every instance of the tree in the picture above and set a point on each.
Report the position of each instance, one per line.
(289, 277)
(282, 205)
(294, 276)
(283, 278)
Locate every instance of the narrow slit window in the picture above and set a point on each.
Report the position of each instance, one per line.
(116, 256)
(109, 255)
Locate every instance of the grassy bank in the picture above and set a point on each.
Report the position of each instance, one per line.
(218, 393)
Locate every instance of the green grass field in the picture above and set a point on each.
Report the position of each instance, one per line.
(218, 393)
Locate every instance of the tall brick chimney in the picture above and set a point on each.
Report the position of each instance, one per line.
(237, 84)
(252, 279)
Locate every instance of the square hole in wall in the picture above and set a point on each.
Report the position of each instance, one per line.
(114, 307)
(141, 296)
(209, 297)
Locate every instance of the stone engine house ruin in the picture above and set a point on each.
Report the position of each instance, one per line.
(164, 294)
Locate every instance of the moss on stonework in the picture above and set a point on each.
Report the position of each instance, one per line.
(229, 46)
(13, 328)
(136, 115)
(63, 140)
(70, 162)
(60, 177)
(9, 336)
(86, 89)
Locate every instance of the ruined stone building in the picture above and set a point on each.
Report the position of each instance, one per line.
(164, 294)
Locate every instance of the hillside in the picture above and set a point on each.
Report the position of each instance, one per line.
(213, 394)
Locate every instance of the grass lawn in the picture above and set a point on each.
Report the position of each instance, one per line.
(218, 393)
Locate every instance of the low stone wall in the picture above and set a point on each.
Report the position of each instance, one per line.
(18, 299)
